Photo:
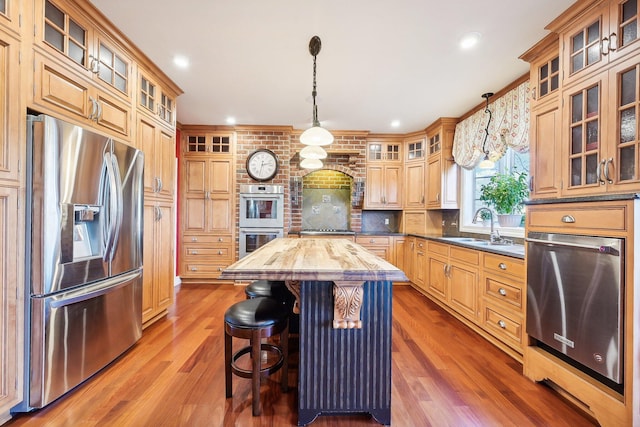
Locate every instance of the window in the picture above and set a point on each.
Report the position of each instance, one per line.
(473, 180)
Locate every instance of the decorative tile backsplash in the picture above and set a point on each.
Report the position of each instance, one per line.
(381, 221)
(326, 208)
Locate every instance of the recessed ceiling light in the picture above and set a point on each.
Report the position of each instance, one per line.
(231, 120)
(181, 61)
(395, 123)
(470, 40)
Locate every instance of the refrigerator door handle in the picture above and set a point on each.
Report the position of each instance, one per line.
(87, 293)
(115, 205)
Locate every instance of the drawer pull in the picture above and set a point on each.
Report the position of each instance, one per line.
(502, 266)
(194, 252)
(502, 324)
(502, 291)
(194, 239)
(372, 241)
(219, 252)
(194, 269)
(568, 219)
(220, 239)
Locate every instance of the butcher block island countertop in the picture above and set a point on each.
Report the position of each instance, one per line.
(313, 259)
(343, 295)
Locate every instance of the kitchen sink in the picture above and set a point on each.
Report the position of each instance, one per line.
(464, 239)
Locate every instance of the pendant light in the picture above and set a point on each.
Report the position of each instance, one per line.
(313, 152)
(311, 163)
(315, 135)
(486, 163)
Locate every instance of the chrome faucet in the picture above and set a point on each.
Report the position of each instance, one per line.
(495, 235)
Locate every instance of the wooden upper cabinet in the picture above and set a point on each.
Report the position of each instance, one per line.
(158, 146)
(442, 171)
(596, 35)
(10, 114)
(544, 130)
(414, 171)
(383, 188)
(74, 39)
(155, 100)
(10, 11)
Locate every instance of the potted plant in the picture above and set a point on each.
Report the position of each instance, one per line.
(505, 194)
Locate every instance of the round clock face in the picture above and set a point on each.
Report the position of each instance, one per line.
(262, 165)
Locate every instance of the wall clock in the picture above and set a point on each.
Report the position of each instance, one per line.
(262, 164)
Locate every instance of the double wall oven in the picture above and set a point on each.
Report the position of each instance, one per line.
(261, 216)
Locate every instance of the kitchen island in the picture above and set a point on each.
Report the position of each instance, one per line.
(343, 294)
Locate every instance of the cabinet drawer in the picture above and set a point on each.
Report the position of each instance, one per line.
(207, 253)
(211, 270)
(206, 239)
(505, 265)
(438, 248)
(504, 327)
(373, 240)
(500, 291)
(469, 256)
(587, 218)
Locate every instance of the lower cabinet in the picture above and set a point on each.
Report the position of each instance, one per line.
(503, 299)
(158, 260)
(11, 302)
(484, 290)
(205, 256)
(453, 277)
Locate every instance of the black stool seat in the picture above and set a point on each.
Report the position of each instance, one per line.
(257, 312)
(255, 319)
(266, 288)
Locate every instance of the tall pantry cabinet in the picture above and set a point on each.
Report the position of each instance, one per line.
(207, 202)
(12, 125)
(155, 136)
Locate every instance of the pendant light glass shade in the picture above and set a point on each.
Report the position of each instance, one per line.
(313, 152)
(311, 163)
(486, 163)
(316, 135)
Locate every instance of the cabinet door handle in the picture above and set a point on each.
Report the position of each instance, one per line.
(613, 42)
(599, 172)
(606, 169)
(568, 219)
(604, 46)
(438, 197)
(502, 266)
(534, 94)
(160, 185)
(422, 199)
(94, 108)
(99, 114)
(502, 291)
(502, 324)
(531, 183)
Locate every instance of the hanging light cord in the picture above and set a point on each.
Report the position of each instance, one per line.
(486, 130)
(314, 92)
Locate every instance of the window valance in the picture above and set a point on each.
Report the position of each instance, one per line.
(509, 127)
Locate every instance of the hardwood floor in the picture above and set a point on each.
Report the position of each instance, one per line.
(443, 375)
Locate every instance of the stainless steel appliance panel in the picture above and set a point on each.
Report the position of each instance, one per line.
(253, 238)
(127, 244)
(575, 295)
(261, 206)
(79, 332)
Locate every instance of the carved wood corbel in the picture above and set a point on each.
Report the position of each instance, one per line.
(347, 302)
(294, 288)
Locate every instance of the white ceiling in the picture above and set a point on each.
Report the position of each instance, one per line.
(380, 61)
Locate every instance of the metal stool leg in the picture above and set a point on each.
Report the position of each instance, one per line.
(284, 344)
(227, 361)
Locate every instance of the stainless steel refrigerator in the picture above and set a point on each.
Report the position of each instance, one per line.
(84, 255)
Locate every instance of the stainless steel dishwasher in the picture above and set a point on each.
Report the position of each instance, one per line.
(575, 289)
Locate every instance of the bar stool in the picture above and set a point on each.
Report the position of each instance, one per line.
(254, 319)
(278, 290)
